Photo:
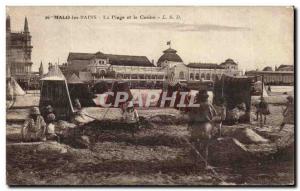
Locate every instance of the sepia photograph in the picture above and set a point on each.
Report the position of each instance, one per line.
(150, 96)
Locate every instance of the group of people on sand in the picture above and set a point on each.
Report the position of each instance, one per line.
(36, 128)
(39, 128)
(263, 110)
(205, 122)
(42, 127)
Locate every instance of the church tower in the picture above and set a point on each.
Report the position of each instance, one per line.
(41, 70)
(8, 45)
(18, 53)
(8, 24)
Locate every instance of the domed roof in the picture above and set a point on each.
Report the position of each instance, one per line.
(99, 55)
(229, 61)
(267, 68)
(169, 55)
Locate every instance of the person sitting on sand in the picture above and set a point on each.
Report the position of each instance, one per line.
(34, 128)
(288, 113)
(50, 131)
(48, 111)
(237, 112)
(77, 104)
(79, 116)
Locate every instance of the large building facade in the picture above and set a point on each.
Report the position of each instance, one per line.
(18, 53)
(100, 66)
(177, 71)
(170, 68)
(283, 75)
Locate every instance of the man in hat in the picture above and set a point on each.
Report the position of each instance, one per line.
(288, 113)
(34, 127)
(201, 123)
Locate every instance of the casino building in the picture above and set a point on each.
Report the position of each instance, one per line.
(100, 66)
(170, 68)
(177, 71)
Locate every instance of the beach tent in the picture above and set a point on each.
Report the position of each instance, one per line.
(258, 86)
(73, 79)
(55, 92)
(86, 76)
(13, 88)
(80, 90)
(235, 90)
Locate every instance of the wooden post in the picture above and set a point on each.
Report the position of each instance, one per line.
(261, 97)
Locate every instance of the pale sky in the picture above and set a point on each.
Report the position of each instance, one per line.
(255, 37)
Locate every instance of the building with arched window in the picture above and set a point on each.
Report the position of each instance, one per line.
(192, 76)
(136, 69)
(207, 76)
(230, 65)
(202, 76)
(181, 75)
(170, 67)
(213, 77)
(209, 71)
(274, 77)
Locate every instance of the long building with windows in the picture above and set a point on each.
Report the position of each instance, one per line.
(283, 75)
(177, 71)
(169, 68)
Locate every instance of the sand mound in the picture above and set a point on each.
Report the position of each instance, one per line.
(248, 136)
(112, 114)
(227, 151)
(51, 147)
(82, 117)
(163, 119)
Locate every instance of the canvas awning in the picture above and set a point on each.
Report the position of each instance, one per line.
(54, 74)
(235, 90)
(73, 79)
(55, 92)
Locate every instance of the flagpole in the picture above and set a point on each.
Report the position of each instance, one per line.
(169, 43)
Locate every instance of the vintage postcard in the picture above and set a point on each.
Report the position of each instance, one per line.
(157, 96)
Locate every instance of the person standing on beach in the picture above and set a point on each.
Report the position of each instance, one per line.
(262, 110)
(201, 124)
(288, 113)
(130, 116)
